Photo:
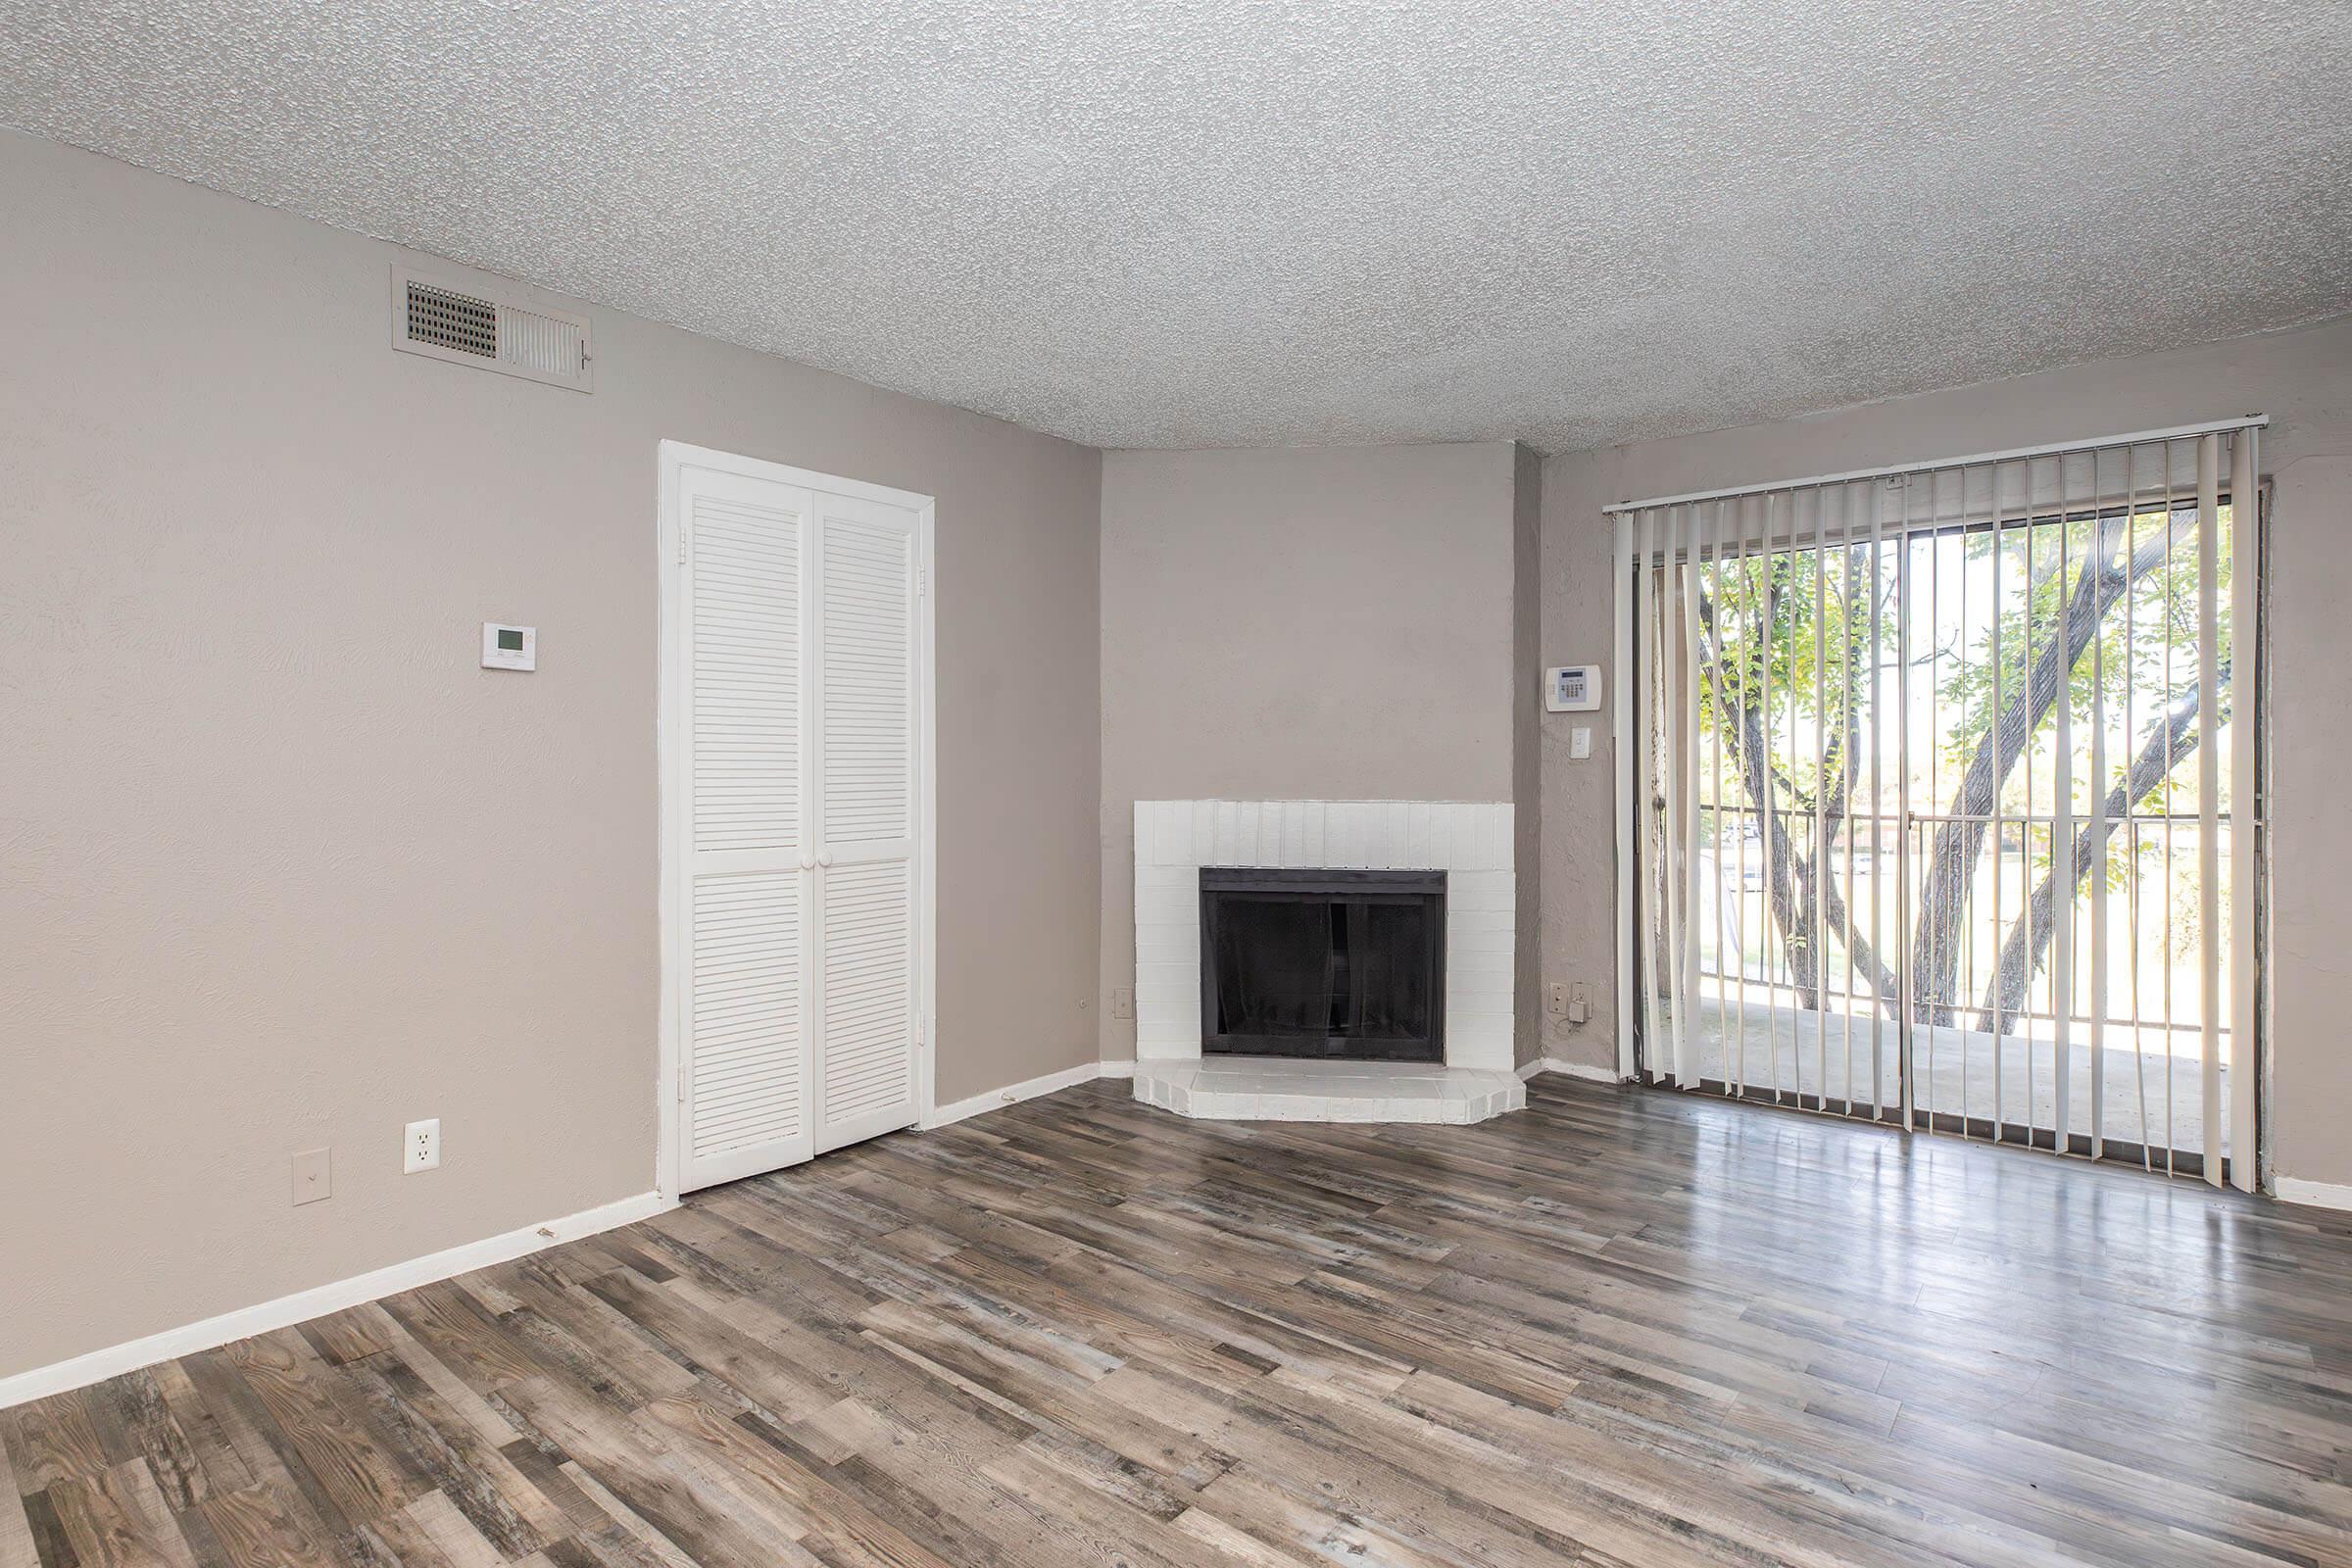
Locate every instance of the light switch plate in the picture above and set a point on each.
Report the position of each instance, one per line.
(313, 1179)
(506, 646)
(1579, 742)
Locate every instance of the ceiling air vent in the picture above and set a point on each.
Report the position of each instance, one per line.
(445, 320)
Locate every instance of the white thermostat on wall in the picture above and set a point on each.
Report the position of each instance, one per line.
(510, 647)
(1572, 689)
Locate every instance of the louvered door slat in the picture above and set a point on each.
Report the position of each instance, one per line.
(867, 1060)
(749, 1101)
(747, 672)
(868, 654)
(865, 661)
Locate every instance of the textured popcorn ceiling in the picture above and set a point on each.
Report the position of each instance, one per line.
(1133, 223)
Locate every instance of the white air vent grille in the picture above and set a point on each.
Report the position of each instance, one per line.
(441, 320)
(451, 321)
(539, 344)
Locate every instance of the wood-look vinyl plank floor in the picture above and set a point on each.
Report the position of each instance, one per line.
(1623, 1327)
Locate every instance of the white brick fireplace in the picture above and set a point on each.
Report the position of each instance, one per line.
(1470, 841)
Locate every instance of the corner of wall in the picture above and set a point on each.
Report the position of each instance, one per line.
(1526, 748)
(1576, 618)
(1114, 940)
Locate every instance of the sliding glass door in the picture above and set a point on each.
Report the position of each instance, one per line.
(1937, 779)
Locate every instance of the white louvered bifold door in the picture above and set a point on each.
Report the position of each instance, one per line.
(867, 809)
(745, 975)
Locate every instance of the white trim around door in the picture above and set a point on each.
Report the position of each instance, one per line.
(683, 468)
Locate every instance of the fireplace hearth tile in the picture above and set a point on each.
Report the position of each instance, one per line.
(1284, 1088)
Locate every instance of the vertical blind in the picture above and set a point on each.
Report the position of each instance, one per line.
(1939, 799)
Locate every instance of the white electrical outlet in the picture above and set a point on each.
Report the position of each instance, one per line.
(421, 1150)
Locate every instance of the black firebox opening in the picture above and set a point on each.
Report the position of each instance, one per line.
(1323, 963)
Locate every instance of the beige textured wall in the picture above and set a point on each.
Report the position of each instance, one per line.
(281, 867)
(2303, 380)
(1298, 624)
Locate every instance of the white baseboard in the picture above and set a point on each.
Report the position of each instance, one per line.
(1574, 1070)
(2319, 1195)
(1118, 1070)
(1013, 1093)
(98, 1365)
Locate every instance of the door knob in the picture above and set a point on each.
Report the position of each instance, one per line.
(808, 862)
(823, 859)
